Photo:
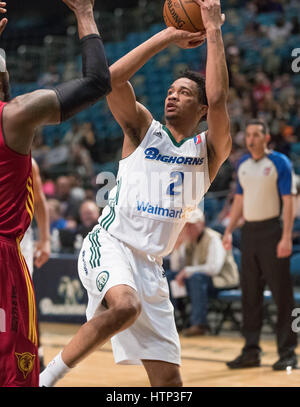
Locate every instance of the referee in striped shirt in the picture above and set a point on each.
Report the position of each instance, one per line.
(264, 192)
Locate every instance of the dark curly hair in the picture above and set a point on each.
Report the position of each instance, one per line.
(200, 81)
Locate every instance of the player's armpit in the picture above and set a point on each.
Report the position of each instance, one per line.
(25, 113)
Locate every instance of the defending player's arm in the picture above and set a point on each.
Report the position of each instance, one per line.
(3, 22)
(41, 213)
(219, 140)
(23, 114)
(133, 117)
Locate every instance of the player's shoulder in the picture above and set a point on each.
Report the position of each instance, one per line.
(280, 160)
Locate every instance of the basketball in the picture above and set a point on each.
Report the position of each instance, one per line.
(183, 15)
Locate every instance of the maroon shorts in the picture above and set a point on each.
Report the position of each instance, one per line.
(19, 362)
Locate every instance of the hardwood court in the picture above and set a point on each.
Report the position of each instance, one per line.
(203, 363)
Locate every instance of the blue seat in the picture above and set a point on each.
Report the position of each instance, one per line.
(296, 248)
(230, 295)
(268, 19)
(295, 148)
(295, 265)
(297, 298)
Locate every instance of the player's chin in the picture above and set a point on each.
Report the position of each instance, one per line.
(171, 115)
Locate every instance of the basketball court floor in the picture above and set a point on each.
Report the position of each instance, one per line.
(203, 363)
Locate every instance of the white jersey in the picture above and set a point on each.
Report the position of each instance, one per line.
(158, 185)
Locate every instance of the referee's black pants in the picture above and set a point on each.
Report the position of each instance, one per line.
(260, 266)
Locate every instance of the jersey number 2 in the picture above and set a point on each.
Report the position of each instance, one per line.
(180, 177)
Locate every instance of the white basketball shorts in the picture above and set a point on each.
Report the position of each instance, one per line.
(105, 262)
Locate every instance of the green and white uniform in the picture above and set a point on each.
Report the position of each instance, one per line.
(158, 185)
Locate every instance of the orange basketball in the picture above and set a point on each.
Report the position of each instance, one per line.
(183, 15)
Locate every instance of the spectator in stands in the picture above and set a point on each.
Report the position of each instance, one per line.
(71, 238)
(295, 29)
(264, 180)
(48, 186)
(39, 149)
(249, 38)
(280, 31)
(49, 78)
(55, 213)
(70, 202)
(74, 134)
(89, 214)
(261, 89)
(208, 268)
(268, 6)
(80, 160)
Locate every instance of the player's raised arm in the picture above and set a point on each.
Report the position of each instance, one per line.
(219, 140)
(131, 115)
(23, 114)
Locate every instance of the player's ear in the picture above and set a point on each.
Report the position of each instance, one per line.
(203, 110)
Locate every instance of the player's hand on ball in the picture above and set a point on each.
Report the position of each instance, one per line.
(79, 5)
(186, 39)
(211, 14)
(3, 22)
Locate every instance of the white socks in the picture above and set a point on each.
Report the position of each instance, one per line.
(55, 370)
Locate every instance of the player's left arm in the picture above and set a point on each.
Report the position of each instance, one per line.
(41, 213)
(217, 86)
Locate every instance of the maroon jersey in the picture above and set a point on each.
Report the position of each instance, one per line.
(16, 189)
(19, 364)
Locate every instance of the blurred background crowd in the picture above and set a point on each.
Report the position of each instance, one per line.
(259, 37)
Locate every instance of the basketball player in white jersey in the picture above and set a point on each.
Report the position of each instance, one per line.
(120, 263)
(37, 253)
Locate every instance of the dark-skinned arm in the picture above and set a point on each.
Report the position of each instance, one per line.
(25, 113)
(41, 214)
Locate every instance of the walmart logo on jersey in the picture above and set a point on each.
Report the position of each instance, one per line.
(152, 153)
(172, 213)
(147, 208)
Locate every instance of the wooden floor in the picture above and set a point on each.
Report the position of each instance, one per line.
(203, 363)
